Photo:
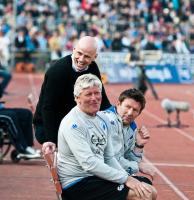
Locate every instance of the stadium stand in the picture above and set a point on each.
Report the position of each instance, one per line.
(42, 30)
(49, 26)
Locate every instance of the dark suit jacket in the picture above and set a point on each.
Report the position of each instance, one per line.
(56, 97)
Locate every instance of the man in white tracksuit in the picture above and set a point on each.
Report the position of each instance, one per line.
(127, 139)
(86, 164)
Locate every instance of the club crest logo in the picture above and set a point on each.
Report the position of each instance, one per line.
(120, 187)
(74, 126)
(112, 122)
(98, 140)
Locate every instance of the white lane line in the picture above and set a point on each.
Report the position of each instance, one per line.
(163, 121)
(174, 165)
(169, 183)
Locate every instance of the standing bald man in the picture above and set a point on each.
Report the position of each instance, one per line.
(56, 97)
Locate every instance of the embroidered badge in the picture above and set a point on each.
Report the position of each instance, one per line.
(74, 126)
(112, 122)
(129, 171)
(97, 140)
(120, 187)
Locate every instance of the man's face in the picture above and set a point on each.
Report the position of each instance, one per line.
(128, 110)
(83, 57)
(89, 100)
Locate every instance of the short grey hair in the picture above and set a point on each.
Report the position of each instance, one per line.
(86, 81)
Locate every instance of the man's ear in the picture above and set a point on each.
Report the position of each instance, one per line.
(118, 103)
(96, 56)
(139, 112)
(76, 99)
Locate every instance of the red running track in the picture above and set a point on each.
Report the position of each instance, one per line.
(170, 150)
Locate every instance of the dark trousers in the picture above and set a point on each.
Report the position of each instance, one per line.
(6, 77)
(22, 120)
(39, 134)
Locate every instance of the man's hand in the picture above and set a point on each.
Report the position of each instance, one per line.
(48, 147)
(147, 169)
(142, 136)
(140, 189)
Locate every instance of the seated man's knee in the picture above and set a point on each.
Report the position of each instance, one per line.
(27, 113)
(154, 193)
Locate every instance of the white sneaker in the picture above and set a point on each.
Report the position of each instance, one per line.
(38, 151)
(29, 153)
(28, 156)
(31, 150)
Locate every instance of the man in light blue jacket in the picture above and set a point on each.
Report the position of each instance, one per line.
(129, 140)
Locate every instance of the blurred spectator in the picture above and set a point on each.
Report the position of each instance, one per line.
(149, 43)
(25, 44)
(116, 42)
(4, 49)
(32, 42)
(107, 41)
(21, 44)
(191, 39)
(42, 41)
(54, 45)
(100, 43)
(71, 42)
(5, 77)
(125, 41)
(180, 44)
(22, 19)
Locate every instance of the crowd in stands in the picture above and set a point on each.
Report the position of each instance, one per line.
(127, 25)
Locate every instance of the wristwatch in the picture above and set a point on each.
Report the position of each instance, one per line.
(139, 146)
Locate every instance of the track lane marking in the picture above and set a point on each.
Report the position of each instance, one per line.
(163, 121)
(167, 180)
(174, 165)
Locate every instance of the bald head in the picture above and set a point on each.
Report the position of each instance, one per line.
(88, 43)
(85, 52)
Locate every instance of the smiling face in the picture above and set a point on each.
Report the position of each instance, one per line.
(128, 110)
(84, 52)
(89, 100)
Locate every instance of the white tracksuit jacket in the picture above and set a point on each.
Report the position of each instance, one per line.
(85, 150)
(123, 140)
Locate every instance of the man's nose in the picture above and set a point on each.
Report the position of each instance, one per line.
(130, 111)
(81, 58)
(93, 96)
